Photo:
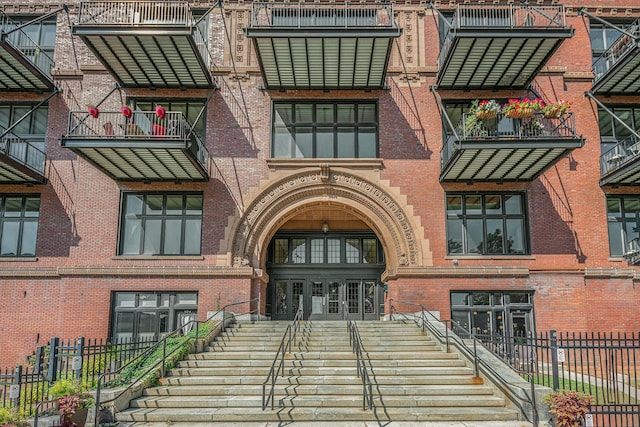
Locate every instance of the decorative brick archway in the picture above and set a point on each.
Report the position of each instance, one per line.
(361, 193)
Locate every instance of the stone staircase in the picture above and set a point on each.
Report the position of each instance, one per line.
(413, 380)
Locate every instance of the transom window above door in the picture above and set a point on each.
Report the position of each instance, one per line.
(324, 130)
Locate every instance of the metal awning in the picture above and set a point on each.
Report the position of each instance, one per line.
(508, 150)
(146, 44)
(617, 71)
(21, 162)
(24, 66)
(143, 147)
(323, 46)
(492, 46)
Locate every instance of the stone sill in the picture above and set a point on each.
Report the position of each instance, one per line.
(282, 164)
(157, 258)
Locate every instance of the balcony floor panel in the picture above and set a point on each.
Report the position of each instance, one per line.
(484, 60)
(139, 59)
(20, 74)
(142, 160)
(298, 62)
(623, 78)
(627, 173)
(488, 161)
(12, 172)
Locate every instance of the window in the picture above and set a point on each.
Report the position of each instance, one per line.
(321, 249)
(603, 36)
(611, 130)
(623, 218)
(148, 315)
(161, 224)
(486, 224)
(190, 109)
(19, 228)
(325, 130)
(491, 314)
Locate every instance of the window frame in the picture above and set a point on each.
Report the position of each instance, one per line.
(314, 125)
(173, 309)
(163, 216)
(464, 217)
(22, 218)
(622, 219)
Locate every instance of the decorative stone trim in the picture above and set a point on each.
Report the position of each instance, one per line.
(400, 272)
(214, 271)
(363, 194)
(611, 273)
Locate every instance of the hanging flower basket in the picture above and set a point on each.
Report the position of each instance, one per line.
(520, 113)
(551, 114)
(486, 115)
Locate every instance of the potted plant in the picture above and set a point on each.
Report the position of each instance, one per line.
(522, 108)
(486, 109)
(568, 407)
(556, 109)
(73, 400)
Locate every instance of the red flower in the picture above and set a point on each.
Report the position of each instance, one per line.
(93, 111)
(160, 111)
(126, 111)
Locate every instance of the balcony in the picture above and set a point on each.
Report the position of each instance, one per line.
(617, 71)
(20, 161)
(490, 46)
(632, 255)
(146, 44)
(24, 66)
(507, 150)
(323, 45)
(621, 164)
(140, 148)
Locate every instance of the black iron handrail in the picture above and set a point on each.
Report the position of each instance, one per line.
(219, 328)
(285, 347)
(358, 349)
(425, 320)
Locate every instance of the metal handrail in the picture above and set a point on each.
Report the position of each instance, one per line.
(219, 328)
(358, 349)
(426, 319)
(285, 347)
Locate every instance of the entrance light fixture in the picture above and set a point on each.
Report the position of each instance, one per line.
(325, 227)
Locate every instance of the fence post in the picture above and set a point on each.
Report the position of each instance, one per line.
(52, 374)
(554, 359)
(39, 356)
(76, 362)
(14, 389)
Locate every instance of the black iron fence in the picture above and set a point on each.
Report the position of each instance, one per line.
(604, 365)
(22, 388)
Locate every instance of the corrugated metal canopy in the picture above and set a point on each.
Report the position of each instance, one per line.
(494, 59)
(504, 161)
(141, 160)
(323, 61)
(13, 172)
(624, 173)
(622, 76)
(149, 57)
(18, 72)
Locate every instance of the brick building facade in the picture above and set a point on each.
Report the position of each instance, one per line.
(313, 151)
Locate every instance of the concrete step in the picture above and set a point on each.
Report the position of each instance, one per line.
(280, 415)
(283, 387)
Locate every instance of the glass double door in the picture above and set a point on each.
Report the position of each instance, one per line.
(327, 298)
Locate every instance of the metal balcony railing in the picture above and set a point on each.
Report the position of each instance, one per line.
(141, 125)
(619, 155)
(632, 254)
(23, 152)
(322, 15)
(617, 50)
(505, 17)
(143, 13)
(21, 41)
(503, 129)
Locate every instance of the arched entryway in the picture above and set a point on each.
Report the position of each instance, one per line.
(328, 260)
(326, 207)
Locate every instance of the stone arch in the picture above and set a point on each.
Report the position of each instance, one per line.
(363, 194)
